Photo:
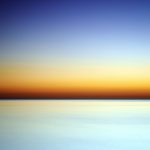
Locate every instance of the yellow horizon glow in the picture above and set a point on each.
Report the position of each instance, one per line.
(75, 78)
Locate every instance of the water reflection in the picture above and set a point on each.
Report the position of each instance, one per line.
(75, 125)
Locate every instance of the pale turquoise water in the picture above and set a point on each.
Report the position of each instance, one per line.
(75, 125)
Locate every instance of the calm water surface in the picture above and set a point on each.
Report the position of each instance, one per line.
(75, 125)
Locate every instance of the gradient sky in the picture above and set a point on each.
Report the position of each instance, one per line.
(75, 48)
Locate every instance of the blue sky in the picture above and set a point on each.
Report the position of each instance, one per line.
(113, 29)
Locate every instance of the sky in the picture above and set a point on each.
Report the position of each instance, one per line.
(71, 49)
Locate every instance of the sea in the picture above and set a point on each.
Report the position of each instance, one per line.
(75, 124)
